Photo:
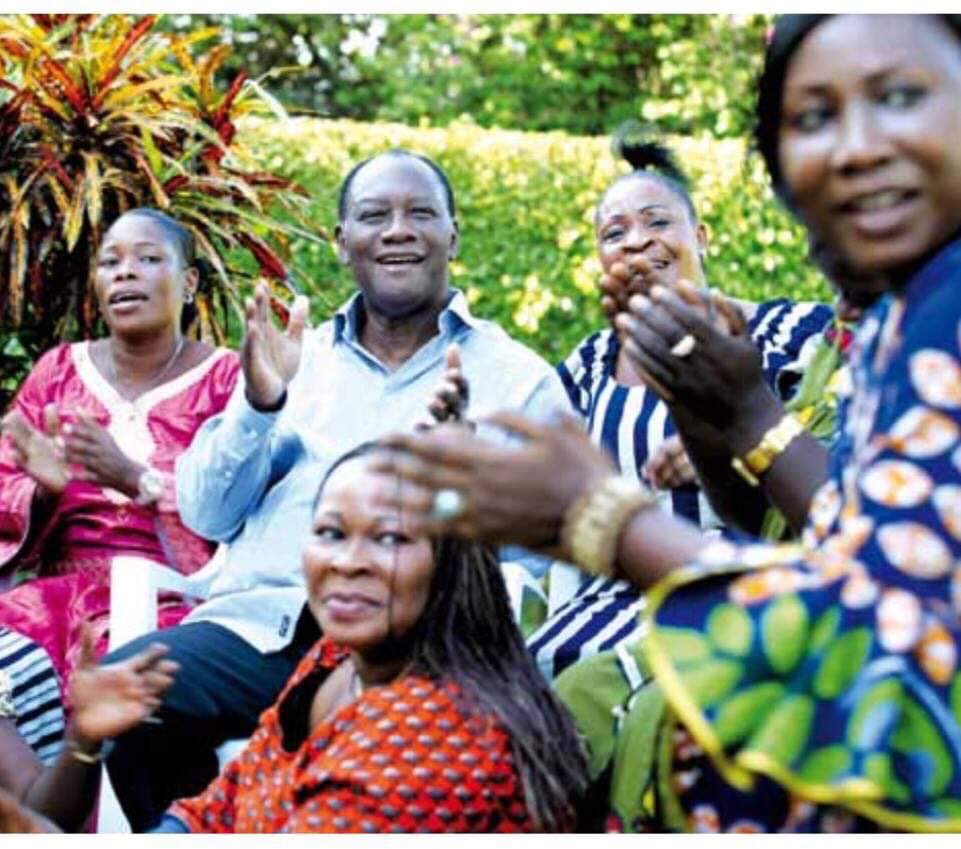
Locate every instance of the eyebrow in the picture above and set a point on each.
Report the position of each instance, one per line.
(418, 199)
(113, 246)
(378, 518)
(822, 87)
(651, 207)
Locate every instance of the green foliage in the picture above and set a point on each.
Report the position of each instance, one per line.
(100, 114)
(526, 205)
(579, 73)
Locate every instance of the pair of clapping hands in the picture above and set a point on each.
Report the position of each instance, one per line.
(270, 356)
(689, 342)
(521, 494)
(81, 449)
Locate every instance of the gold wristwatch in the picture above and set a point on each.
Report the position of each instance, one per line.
(759, 459)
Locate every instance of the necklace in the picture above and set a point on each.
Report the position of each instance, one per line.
(156, 379)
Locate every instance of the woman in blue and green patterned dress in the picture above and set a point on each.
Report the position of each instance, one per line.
(810, 687)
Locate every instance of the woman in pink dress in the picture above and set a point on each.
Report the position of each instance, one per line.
(88, 449)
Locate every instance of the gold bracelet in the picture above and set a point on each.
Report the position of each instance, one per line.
(759, 459)
(89, 758)
(594, 522)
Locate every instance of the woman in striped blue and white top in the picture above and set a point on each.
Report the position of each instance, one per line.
(648, 234)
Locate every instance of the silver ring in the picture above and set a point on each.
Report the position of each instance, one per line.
(683, 347)
(448, 505)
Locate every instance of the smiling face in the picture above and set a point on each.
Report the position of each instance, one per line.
(367, 581)
(141, 278)
(870, 138)
(397, 235)
(642, 221)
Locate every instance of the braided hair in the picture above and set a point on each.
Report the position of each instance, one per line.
(466, 635)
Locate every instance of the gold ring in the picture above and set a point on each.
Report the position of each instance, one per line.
(683, 347)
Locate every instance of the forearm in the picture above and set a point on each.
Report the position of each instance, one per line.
(653, 544)
(65, 792)
(796, 473)
(736, 504)
(226, 470)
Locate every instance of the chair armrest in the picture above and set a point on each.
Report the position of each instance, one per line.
(134, 584)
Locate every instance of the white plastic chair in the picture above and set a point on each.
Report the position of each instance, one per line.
(135, 583)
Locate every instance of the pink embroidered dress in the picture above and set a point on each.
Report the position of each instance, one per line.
(65, 545)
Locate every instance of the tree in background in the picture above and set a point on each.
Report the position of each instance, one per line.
(584, 74)
(100, 114)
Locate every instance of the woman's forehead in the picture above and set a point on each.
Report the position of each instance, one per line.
(134, 229)
(637, 192)
(884, 43)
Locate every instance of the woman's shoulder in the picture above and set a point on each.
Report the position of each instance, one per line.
(58, 356)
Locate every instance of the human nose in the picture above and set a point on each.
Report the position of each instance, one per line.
(637, 237)
(351, 556)
(861, 142)
(123, 268)
(398, 228)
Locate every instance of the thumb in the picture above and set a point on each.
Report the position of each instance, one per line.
(452, 356)
(88, 657)
(298, 318)
(51, 420)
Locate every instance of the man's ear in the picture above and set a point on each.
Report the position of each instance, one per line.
(454, 242)
(342, 253)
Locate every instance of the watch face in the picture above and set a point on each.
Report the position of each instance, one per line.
(151, 485)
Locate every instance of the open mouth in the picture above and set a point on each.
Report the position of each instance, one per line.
(880, 201)
(400, 259)
(125, 297)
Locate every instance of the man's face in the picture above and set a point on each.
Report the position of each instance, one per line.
(397, 235)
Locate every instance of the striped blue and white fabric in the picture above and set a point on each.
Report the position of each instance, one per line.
(31, 693)
(631, 422)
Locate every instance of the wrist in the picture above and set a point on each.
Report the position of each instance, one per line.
(595, 522)
(129, 482)
(756, 413)
(83, 748)
(266, 406)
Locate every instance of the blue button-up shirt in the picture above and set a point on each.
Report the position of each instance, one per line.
(250, 478)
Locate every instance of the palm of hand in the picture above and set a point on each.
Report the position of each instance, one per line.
(39, 456)
(274, 357)
(109, 699)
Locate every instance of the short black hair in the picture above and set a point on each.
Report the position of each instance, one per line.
(789, 31)
(395, 151)
(653, 160)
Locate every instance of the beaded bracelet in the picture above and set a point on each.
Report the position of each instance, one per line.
(594, 522)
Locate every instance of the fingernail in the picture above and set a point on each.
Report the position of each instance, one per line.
(658, 291)
(639, 303)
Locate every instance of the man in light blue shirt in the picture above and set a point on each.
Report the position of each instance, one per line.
(251, 474)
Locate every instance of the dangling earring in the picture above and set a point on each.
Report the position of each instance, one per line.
(188, 297)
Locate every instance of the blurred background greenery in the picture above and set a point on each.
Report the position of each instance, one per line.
(517, 108)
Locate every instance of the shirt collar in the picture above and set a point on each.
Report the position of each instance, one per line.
(455, 315)
(945, 263)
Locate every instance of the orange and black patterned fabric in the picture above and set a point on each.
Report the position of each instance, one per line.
(403, 757)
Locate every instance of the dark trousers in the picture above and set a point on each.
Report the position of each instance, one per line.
(223, 685)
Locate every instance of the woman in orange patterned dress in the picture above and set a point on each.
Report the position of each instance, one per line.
(419, 710)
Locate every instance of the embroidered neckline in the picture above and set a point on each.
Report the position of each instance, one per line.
(102, 389)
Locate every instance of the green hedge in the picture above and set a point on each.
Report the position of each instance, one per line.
(525, 203)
